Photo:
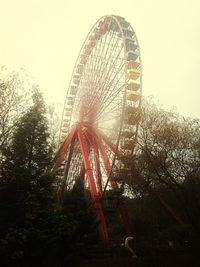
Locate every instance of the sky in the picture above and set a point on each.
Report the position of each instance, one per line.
(45, 36)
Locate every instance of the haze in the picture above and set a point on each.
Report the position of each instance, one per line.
(45, 37)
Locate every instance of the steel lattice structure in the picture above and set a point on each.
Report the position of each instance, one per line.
(101, 112)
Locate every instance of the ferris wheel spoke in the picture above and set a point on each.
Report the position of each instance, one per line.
(107, 117)
(104, 65)
(104, 86)
(111, 96)
(115, 106)
(109, 79)
(101, 47)
(107, 74)
(105, 69)
(107, 38)
(90, 69)
(97, 73)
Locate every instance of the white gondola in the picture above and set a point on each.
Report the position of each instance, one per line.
(131, 46)
(132, 120)
(76, 76)
(96, 30)
(64, 130)
(103, 27)
(133, 65)
(70, 101)
(67, 113)
(131, 110)
(132, 55)
(88, 50)
(66, 120)
(133, 75)
(65, 125)
(83, 59)
(80, 68)
(131, 115)
(133, 86)
(124, 24)
(73, 90)
(97, 36)
(76, 81)
(133, 97)
(91, 38)
(128, 33)
(120, 18)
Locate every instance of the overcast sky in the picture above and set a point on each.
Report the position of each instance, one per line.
(45, 37)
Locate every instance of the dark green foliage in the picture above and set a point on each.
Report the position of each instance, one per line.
(26, 194)
(165, 180)
(29, 153)
(32, 232)
(165, 167)
(114, 223)
(76, 203)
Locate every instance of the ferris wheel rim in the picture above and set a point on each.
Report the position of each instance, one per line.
(125, 58)
(125, 78)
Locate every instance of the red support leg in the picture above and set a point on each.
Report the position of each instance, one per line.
(120, 203)
(112, 146)
(106, 162)
(87, 140)
(60, 156)
(98, 170)
(82, 172)
(97, 200)
(66, 170)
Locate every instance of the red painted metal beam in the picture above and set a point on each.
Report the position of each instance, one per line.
(60, 156)
(96, 198)
(90, 140)
(66, 170)
(82, 171)
(112, 146)
(98, 169)
(89, 134)
(106, 161)
(120, 203)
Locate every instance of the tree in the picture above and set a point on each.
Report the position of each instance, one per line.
(14, 100)
(32, 231)
(26, 190)
(53, 111)
(166, 163)
(30, 152)
(77, 202)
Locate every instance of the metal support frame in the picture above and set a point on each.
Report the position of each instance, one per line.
(89, 140)
(66, 170)
(95, 196)
(98, 170)
(60, 156)
(120, 203)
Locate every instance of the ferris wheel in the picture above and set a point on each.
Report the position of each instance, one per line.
(101, 111)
